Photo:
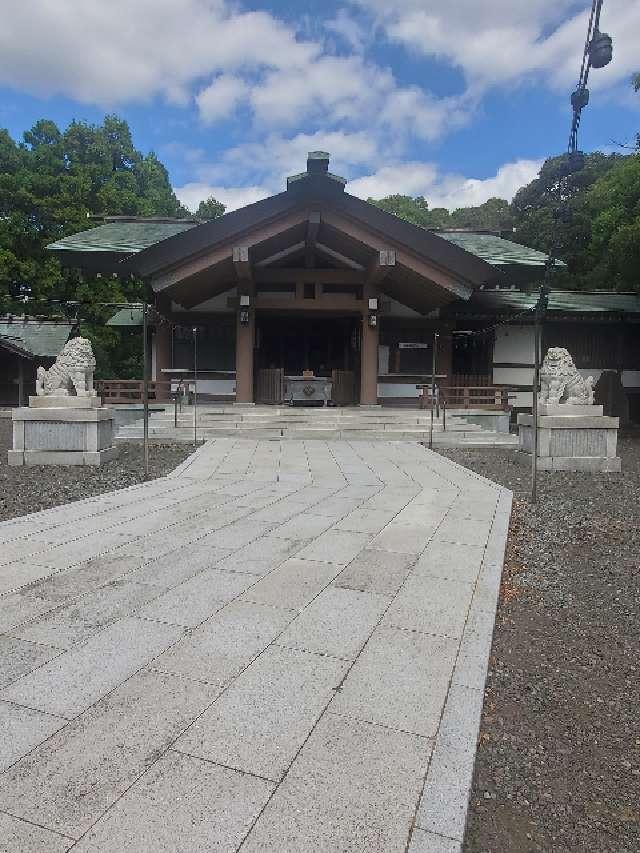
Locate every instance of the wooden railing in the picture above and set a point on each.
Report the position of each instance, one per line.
(130, 390)
(476, 397)
(468, 397)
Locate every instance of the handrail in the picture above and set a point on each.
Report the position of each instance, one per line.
(131, 390)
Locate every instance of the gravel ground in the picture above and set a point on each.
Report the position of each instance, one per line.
(558, 757)
(24, 490)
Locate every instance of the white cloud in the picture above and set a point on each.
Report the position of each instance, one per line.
(500, 42)
(192, 194)
(445, 190)
(114, 52)
(119, 52)
(220, 98)
(269, 162)
(352, 31)
(405, 178)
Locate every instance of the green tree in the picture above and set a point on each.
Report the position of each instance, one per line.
(550, 213)
(50, 184)
(494, 215)
(612, 254)
(414, 210)
(210, 209)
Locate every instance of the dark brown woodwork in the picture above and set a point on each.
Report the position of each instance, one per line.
(343, 389)
(270, 386)
(313, 226)
(320, 276)
(242, 263)
(381, 265)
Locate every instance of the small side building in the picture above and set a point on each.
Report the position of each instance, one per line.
(25, 344)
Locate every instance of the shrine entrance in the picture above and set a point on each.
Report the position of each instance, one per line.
(325, 347)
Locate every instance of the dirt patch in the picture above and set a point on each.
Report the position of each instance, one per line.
(26, 489)
(558, 765)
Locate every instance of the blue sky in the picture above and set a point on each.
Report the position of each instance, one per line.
(457, 100)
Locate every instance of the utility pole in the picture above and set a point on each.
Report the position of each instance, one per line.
(541, 308)
(434, 361)
(195, 386)
(145, 385)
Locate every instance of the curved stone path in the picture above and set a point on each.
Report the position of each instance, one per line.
(281, 647)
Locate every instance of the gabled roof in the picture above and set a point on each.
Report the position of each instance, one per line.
(312, 189)
(34, 338)
(495, 249)
(124, 234)
(506, 301)
(104, 247)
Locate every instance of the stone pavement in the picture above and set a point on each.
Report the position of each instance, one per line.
(280, 647)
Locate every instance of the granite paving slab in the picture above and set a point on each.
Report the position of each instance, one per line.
(22, 730)
(271, 649)
(352, 787)
(259, 723)
(76, 621)
(19, 657)
(18, 836)
(376, 571)
(75, 776)
(181, 804)
(76, 679)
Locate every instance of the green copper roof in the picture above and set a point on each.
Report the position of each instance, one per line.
(123, 235)
(126, 317)
(38, 338)
(560, 301)
(495, 250)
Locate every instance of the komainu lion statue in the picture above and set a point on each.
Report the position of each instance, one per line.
(560, 381)
(70, 374)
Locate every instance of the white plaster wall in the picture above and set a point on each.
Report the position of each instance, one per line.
(513, 375)
(514, 345)
(383, 359)
(522, 399)
(397, 389)
(212, 386)
(631, 378)
(154, 353)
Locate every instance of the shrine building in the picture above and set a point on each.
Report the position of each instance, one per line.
(316, 282)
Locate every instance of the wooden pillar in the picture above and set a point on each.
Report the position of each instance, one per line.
(369, 353)
(445, 355)
(245, 335)
(20, 381)
(163, 349)
(245, 325)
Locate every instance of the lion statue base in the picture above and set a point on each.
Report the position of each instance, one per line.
(560, 381)
(71, 374)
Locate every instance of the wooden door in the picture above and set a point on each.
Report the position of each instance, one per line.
(270, 386)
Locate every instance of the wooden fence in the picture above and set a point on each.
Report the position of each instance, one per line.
(130, 390)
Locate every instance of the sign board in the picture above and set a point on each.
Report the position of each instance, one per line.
(416, 345)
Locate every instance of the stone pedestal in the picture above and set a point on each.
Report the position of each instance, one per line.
(58, 430)
(572, 438)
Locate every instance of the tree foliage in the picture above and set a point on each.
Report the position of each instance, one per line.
(494, 215)
(589, 218)
(54, 183)
(210, 209)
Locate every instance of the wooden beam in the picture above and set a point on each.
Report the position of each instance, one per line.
(453, 287)
(278, 256)
(313, 226)
(276, 275)
(242, 263)
(168, 279)
(380, 266)
(343, 259)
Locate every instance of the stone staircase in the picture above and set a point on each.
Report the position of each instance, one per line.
(348, 423)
